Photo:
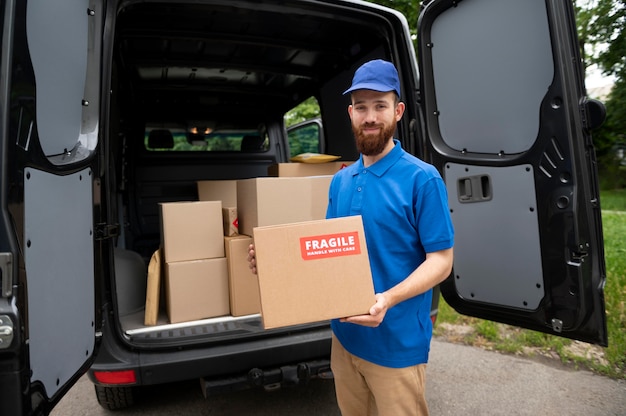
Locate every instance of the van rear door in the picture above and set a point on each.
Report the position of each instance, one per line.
(50, 87)
(508, 126)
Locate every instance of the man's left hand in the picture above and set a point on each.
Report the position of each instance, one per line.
(376, 315)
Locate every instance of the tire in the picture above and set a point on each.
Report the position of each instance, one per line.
(114, 398)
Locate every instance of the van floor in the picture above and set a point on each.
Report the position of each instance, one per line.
(133, 324)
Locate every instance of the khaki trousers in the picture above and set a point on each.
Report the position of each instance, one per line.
(367, 389)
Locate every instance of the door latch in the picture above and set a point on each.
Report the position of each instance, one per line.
(105, 231)
(6, 331)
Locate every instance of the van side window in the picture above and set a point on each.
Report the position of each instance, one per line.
(304, 128)
(177, 139)
(304, 138)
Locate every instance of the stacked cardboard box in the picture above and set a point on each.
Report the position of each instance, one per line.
(206, 268)
(281, 200)
(309, 269)
(226, 192)
(196, 275)
(243, 287)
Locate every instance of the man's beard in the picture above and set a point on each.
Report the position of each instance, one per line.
(373, 144)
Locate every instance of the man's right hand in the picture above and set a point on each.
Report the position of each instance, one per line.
(251, 258)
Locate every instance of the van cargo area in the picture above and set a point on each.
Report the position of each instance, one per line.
(200, 77)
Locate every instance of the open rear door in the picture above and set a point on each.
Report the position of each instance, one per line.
(508, 126)
(50, 87)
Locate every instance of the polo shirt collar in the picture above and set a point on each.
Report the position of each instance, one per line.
(379, 168)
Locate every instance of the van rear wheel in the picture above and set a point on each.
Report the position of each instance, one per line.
(114, 398)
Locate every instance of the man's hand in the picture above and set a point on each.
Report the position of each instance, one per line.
(251, 258)
(376, 315)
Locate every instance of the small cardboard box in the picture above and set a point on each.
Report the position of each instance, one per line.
(196, 289)
(306, 169)
(242, 283)
(191, 230)
(231, 222)
(225, 191)
(272, 201)
(313, 271)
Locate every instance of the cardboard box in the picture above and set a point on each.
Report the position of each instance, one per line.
(272, 201)
(196, 289)
(230, 221)
(243, 285)
(225, 191)
(306, 169)
(313, 271)
(191, 230)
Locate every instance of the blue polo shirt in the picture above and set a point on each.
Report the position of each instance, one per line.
(404, 206)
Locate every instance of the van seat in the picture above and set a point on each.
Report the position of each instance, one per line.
(252, 143)
(160, 139)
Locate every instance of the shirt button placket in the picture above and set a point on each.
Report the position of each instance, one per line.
(357, 200)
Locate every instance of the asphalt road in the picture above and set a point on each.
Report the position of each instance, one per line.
(461, 380)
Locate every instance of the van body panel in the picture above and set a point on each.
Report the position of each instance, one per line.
(59, 255)
(49, 75)
(505, 116)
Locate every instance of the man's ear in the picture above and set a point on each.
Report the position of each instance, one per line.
(400, 110)
(350, 110)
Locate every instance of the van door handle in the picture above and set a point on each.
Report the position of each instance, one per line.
(475, 188)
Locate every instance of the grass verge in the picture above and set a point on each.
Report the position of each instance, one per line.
(610, 361)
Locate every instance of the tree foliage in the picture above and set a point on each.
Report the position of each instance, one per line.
(409, 8)
(601, 30)
(306, 110)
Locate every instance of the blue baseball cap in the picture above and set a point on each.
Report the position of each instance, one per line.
(376, 75)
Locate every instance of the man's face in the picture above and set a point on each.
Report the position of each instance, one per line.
(374, 118)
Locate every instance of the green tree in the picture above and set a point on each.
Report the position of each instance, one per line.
(601, 30)
(409, 8)
(306, 110)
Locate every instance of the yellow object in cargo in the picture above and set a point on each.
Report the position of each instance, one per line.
(314, 158)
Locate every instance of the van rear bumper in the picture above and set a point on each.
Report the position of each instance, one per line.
(264, 360)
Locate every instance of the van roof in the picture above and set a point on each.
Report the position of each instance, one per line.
(229, 63)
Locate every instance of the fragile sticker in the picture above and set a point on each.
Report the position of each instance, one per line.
(330, 245)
